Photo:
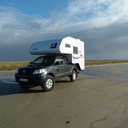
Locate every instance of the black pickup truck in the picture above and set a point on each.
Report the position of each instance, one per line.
(44, 71)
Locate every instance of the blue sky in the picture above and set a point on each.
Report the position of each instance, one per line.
(38, 7)
(101, 24)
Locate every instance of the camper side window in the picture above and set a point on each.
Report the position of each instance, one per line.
(67, 45)
(75, 50)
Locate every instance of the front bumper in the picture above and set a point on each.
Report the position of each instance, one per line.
(30, 79)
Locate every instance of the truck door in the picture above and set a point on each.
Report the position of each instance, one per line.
(59, 67)
(66, 65)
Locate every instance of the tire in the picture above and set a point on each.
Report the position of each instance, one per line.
(48, 83)
(73, 76)
(24, 86)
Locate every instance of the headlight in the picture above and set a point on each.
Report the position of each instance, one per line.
(39, 71)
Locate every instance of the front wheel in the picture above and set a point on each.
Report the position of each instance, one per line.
(73, 76)
(48, 83)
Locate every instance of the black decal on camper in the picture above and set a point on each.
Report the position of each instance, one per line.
(53, 45)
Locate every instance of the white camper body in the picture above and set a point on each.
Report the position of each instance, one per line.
(71, 47)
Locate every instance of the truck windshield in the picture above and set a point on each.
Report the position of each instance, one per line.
(45, 60)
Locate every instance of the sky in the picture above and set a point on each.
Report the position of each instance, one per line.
(101, 24)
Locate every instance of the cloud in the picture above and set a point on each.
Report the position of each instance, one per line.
(102, 24)
(109, 42)
(80, 14)
(99, 13)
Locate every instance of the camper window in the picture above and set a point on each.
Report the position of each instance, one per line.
(75, 50)
(67, 45)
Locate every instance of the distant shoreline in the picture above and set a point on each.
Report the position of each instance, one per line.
(102, 62)
(12, 65)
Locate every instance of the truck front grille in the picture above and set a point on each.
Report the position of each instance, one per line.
(25, 71)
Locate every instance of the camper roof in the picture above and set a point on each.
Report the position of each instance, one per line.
(63, 45)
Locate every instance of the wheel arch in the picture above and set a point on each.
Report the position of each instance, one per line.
(51, 74)
(77, 66)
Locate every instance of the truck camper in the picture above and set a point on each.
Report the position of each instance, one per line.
(71, 47)
(58, 58)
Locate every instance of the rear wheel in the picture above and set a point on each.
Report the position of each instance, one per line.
(73, 76)
(48, 83)
(24, 86)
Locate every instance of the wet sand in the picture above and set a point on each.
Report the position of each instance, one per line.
(89, 102)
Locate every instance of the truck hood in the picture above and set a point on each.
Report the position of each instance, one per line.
(36, 66)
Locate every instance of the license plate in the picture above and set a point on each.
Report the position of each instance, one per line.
(23, 80)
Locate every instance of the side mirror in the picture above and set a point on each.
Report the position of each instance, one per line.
(31, 63)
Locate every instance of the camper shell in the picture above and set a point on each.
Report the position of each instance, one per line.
(58, 58)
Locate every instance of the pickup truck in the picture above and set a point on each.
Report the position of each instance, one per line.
(44, 71)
